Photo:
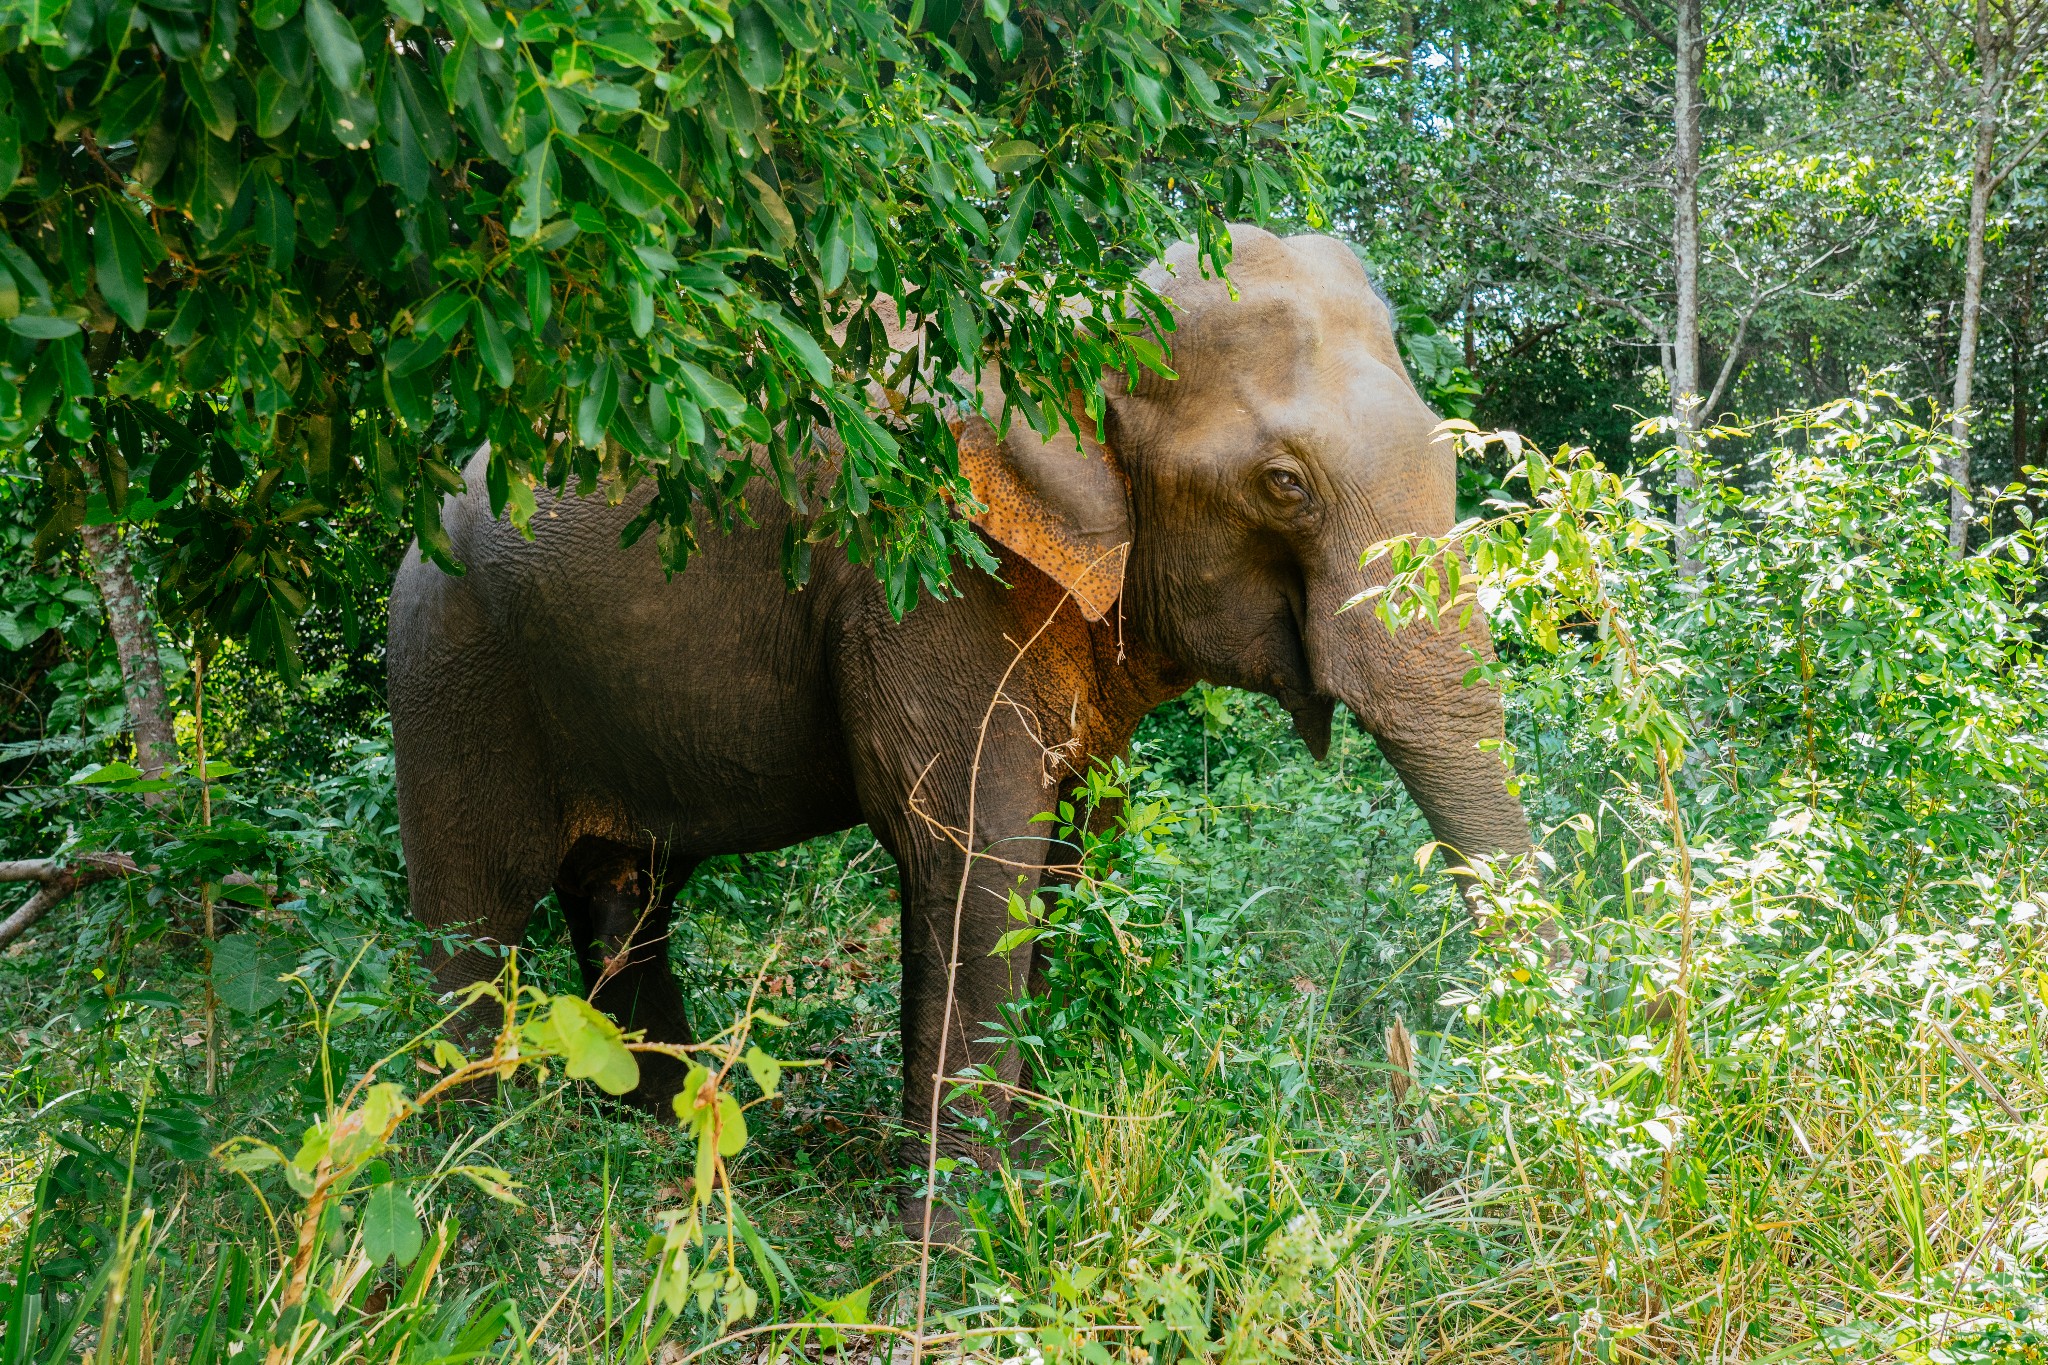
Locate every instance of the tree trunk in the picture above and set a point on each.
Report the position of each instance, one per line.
(142, 673)
(2022, 347)
(1990, 97)
(1691, 44)
(1408, 80)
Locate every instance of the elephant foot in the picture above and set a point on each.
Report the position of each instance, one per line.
(964, 1166)
(947, 1230)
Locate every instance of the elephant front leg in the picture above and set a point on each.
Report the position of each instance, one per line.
(954, 992)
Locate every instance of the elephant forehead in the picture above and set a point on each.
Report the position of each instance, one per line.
(1341, 404)
(1288, 307)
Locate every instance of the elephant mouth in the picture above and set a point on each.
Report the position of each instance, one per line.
(1305, 703)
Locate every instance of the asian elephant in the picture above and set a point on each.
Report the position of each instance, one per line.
(568, 717)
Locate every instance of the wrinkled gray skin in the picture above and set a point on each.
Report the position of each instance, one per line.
(565, 717)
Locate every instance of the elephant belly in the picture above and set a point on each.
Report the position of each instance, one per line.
(695, 709)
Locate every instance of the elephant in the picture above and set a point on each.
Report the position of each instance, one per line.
(566, 716)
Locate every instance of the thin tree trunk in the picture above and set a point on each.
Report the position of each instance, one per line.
(2022, 347)
(1408, 79)
(1990, 97)
(206, 889)
(1690, 42)
(142, 673)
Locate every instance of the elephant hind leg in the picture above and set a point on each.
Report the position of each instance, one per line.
(618, 900)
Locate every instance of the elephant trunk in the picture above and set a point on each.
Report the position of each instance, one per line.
(1409, 690)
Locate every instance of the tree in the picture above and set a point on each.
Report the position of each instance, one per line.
(1534, 203)
(263, 258)
(135, 645)
(2005, 41)
(1689, 45)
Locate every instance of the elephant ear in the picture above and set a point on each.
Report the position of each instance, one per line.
(1061, 503)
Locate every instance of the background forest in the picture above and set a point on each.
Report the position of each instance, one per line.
(1754, 289)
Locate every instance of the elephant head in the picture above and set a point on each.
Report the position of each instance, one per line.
(1246, 487)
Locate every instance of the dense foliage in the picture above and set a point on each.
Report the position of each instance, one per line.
(260, 262)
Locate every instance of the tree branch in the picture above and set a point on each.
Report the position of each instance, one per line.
(58, 881)
(1547, 330)
(1757, 301)
(1636, 12)
(1593, 296)
(2019, 158)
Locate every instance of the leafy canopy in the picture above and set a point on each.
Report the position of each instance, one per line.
(264, 260)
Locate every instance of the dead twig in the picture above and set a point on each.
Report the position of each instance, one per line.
(1970, 1065)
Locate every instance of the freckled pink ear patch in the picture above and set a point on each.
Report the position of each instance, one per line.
(1020, 519)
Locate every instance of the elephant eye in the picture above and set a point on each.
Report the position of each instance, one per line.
(1285, 485)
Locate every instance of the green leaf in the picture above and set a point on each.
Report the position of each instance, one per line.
(42, 328)
(767, 1259)
(712, 392)
(271, 14)
(594, 410)
(638, 184)
(482, 27)
(334, 45)
(214, 100)
(760, 47)
(963, 328)
(1013, 940)
(732, 1126)
(492, 1181)
(866, 253)
(536, 191)
(426, 524)
(797, 343)
(1017, 154)
(10, 151)
(131, 107)
(772, 210)
(391, 1226)
(424, 109)
(705, 1172)
(118, 266)
(849, 1310)
(591, 1046)
(278, 101)
(794, 24)
(625, 46)
(766, 1071)
(1016, 229)
(446, 477)
(105, 774)
(491, 347)
(246, 1155)
(1199, 83)
(402, 157)
(246, 971)
(410, 355)
(689, 1101)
